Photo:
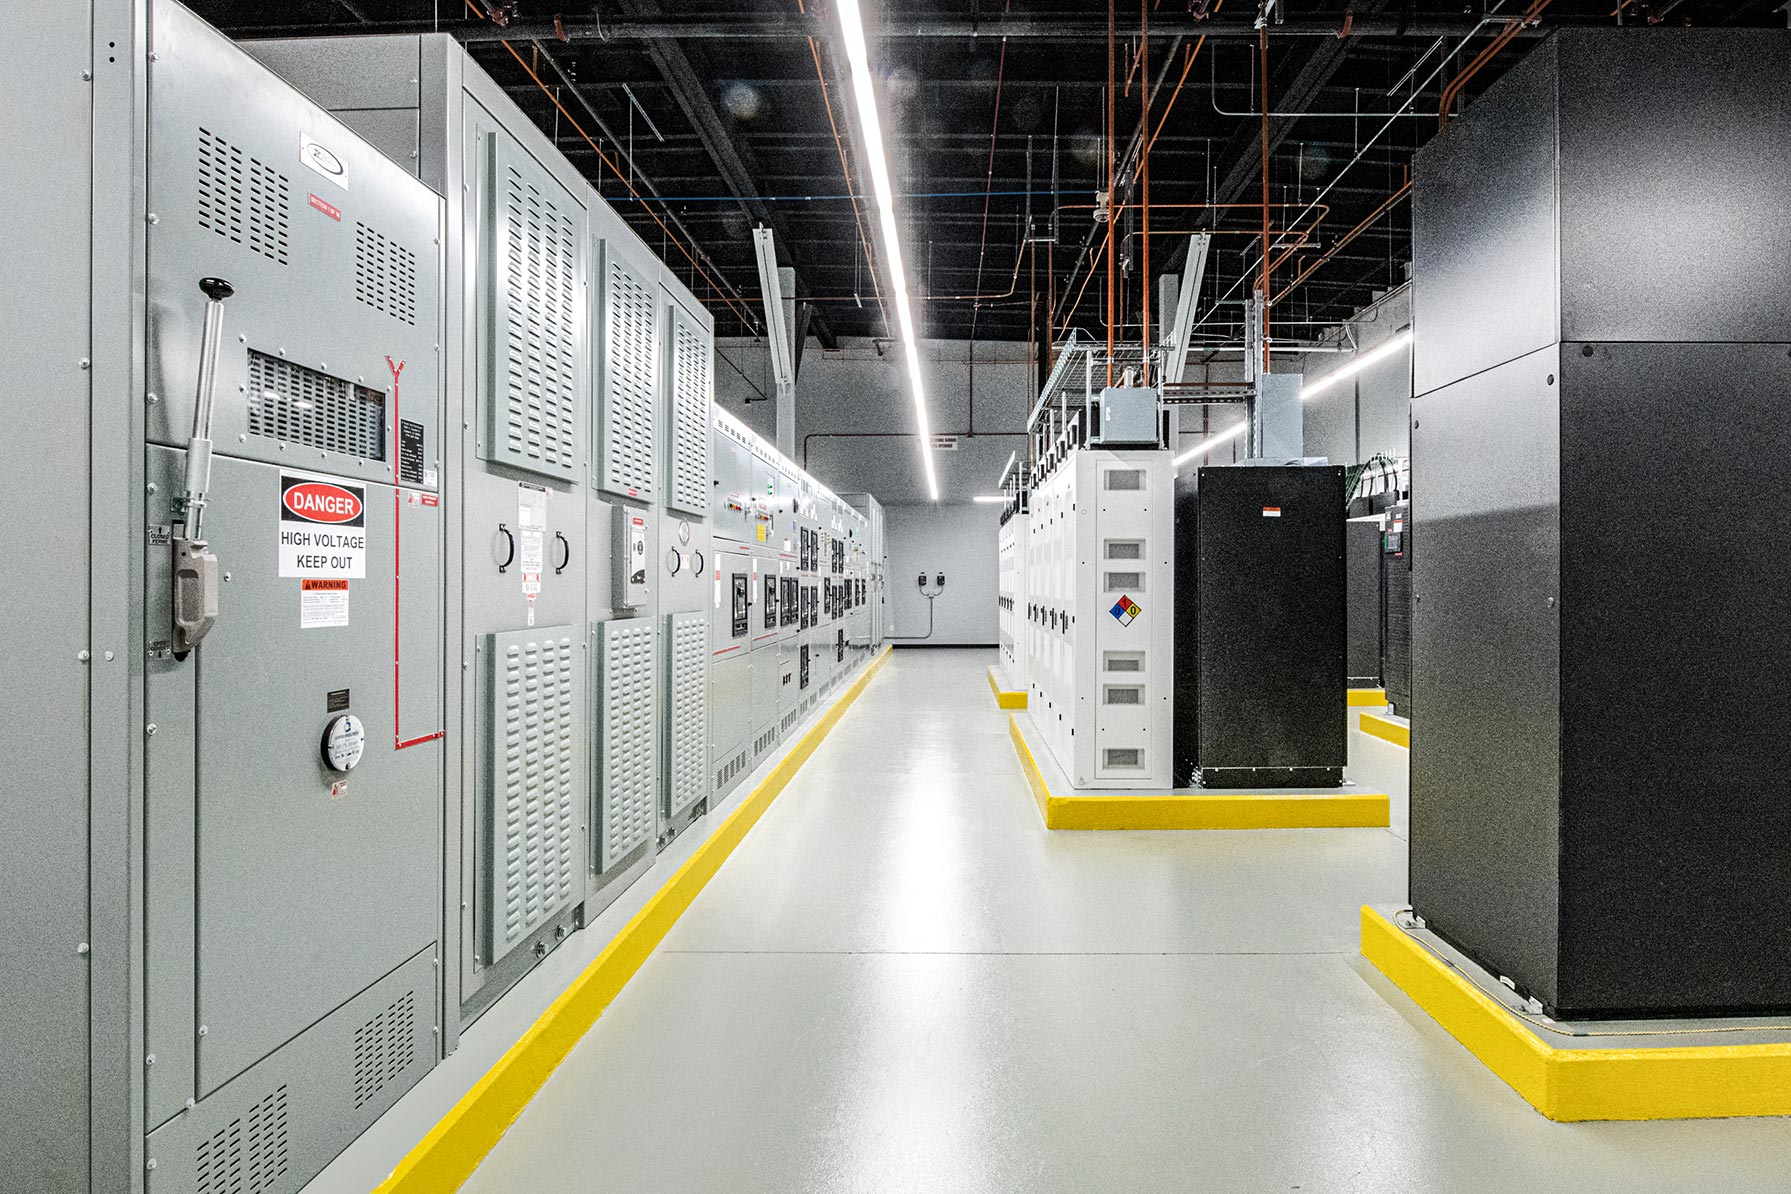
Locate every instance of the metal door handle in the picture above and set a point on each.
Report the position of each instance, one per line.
(566, 554)
(504, 565)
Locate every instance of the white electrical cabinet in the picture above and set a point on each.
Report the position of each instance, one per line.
(1097, 627)
(1011, 547)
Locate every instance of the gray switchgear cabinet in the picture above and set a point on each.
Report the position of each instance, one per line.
(233, 956)
(224, 962)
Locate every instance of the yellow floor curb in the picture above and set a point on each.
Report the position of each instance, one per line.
(1367, 698)
(1387, 730)
(447, 1156)
(1680, 1082)
(1241, 810)
(1005, 698)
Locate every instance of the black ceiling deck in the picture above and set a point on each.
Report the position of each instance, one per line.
(715, 113)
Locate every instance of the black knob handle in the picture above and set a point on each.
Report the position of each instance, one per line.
(216, 289)
(565, 553)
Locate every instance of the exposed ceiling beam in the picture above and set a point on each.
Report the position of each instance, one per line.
(733, 160)
(1245, 150)
(658, 26)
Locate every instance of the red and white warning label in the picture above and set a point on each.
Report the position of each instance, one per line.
(323, 601)
(323, 527)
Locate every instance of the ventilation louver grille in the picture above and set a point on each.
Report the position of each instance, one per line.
(385, 274)
(629, 775)
(241, 198)
(535, 787)
(690, 415)
(249, 1154)
(537, 341)
(628, 391)
(687, 720)
(383, 1047)
(731, 768)
(297, 405)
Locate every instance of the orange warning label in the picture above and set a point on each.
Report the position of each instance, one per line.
(313, 584)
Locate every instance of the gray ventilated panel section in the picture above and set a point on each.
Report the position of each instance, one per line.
(692, 358)
(625, 444)
(299, 405)
(687, 710)
(385, 274)
(242, 199)
(384, 1047)
(536, 341)
(248, 1155)
(535, 867)
(627, 737)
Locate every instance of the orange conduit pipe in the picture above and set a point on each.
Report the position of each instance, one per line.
(1112, 134)
(846, 171)
(1386, 206)
(1268, 247)
(1144, 185)
(1505, 36)
(604, 158)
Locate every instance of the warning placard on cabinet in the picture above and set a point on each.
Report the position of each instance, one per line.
(323, 527)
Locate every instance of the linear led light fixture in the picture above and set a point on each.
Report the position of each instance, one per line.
(1378, 353)
(990, 499)
(858, 57)
(1008, 467)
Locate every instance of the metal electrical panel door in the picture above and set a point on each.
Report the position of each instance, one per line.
(627, 737)
(628, 394)
(532, 412)
(692, 347)
(531, 779)
(687, 710)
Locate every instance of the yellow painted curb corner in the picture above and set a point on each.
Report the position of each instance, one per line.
(1367, 698)
(1240, 810)
(1570, 1085)
(1005, 698)
(1386, 729)
(446, 1157)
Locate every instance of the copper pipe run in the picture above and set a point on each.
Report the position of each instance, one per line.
(1144, 184)
(1505, 36)
(1367, 222)
(1112, 132)
(1262, 42)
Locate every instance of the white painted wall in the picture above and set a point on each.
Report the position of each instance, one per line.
(958, 540)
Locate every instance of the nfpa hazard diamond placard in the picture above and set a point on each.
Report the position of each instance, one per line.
(1126, 610)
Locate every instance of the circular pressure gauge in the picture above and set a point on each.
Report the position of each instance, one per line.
(683, 531)
(344, 738)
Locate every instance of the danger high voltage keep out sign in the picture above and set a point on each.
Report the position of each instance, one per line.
(323, 527)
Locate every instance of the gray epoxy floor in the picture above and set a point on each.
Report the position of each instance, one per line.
(901, 982)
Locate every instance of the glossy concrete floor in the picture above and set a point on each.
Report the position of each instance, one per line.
(901, 982)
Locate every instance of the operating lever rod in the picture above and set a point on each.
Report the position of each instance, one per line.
(216, 290)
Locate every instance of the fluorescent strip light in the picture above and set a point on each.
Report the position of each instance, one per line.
(859, 58)
(1007, 468)
(1377, 353)
(1211, 442)
(991, 499)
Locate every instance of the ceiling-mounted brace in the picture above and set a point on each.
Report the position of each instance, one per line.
(778, 334)
(1175, 350)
